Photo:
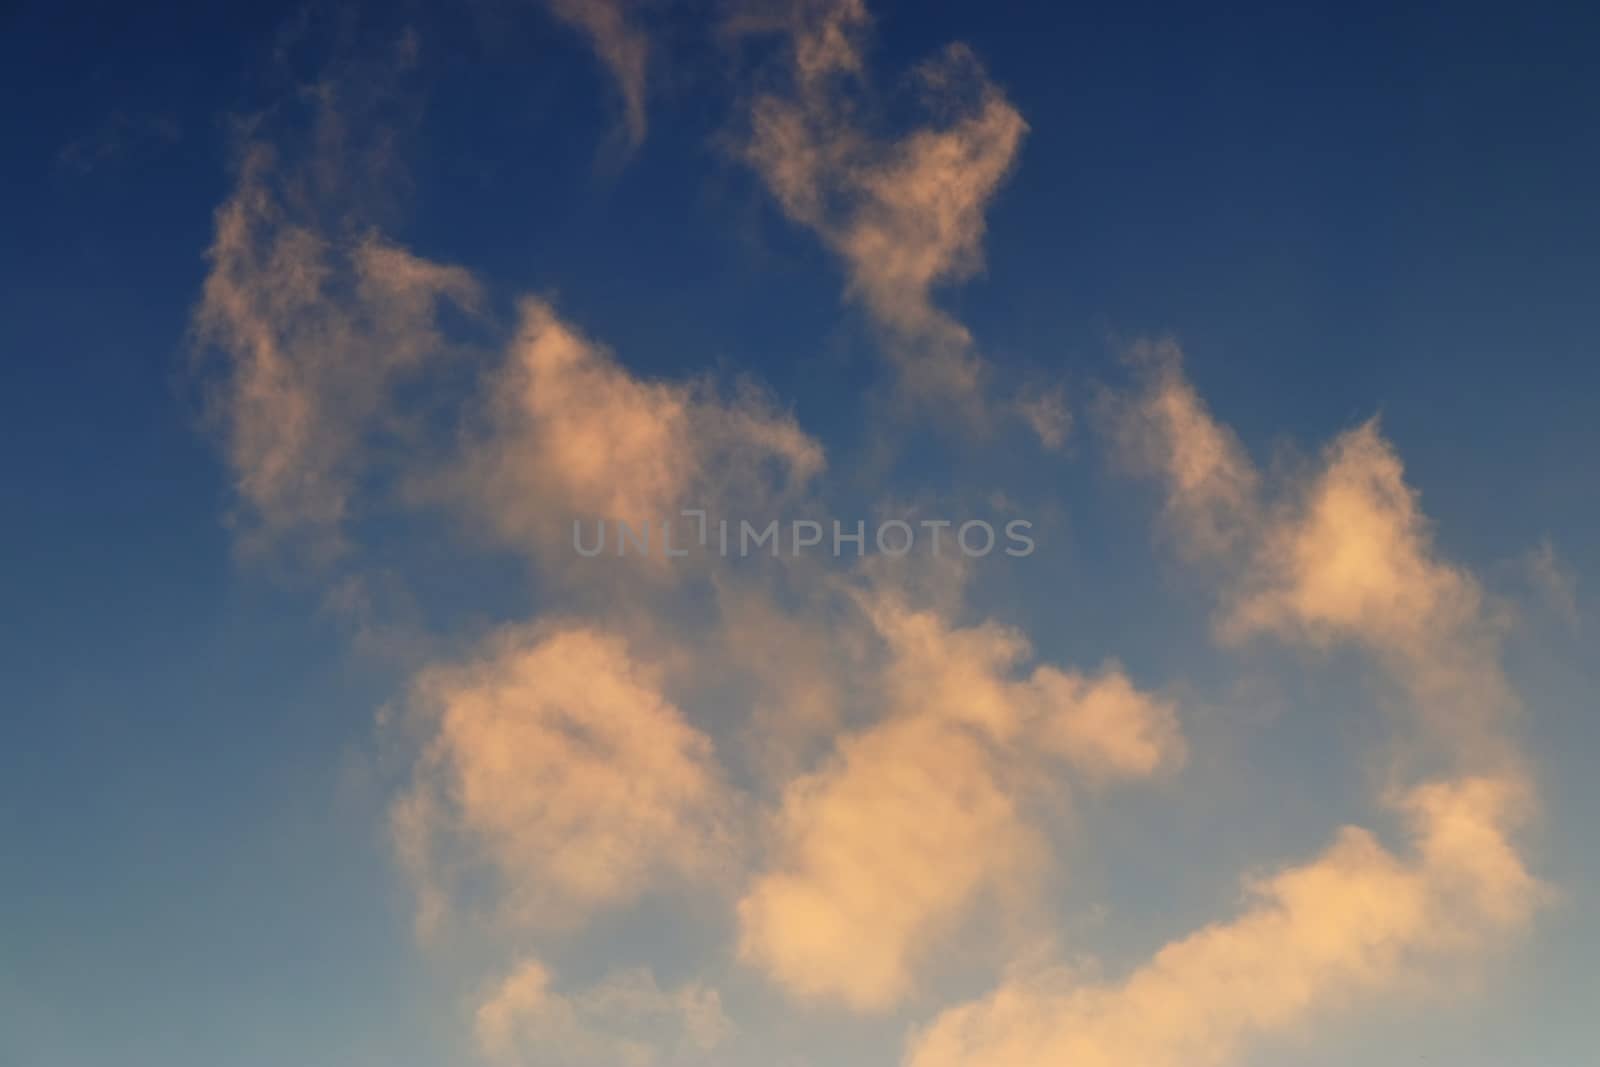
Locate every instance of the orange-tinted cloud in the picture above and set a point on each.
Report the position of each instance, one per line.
(885, 850)
(1166, 429)
(1356, 920)
(571, 434)
(556, 761)
(905, 214)
(316, 333)
(626, 1020)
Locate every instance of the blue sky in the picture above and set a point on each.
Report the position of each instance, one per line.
(1336, 213)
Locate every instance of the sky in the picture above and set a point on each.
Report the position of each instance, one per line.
(325, 326)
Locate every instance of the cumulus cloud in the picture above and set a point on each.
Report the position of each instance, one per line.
(626, 1020)
(1341, 555)
(887, 848)
(881, 853)
(1351, 557)
(1356, 920)
(914, 767)
(571, 433)
(556, 761)
(620, 44)
(905, 214)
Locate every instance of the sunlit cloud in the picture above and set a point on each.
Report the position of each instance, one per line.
(569, 433)
(905, 213)
(626, 1020)
(621, 45)
(557, 762)
(1357, 920)
(845, 762)
(889, 846)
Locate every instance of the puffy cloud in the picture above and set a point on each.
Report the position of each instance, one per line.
(556, 760)
(906, 215)
(882, 852)
(621, 46)
(886, 849)
(1345, 555)
(1355, 920)
(626, 1020)
(1351, 557)
(570, 428)
(1102, 725)
(316, 332)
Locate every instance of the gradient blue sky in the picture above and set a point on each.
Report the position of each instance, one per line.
(1338, 211)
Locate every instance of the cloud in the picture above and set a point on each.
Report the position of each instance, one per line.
(1554, 581)
(1357, 919)
(621, 46)
(570, 433)
(905, 214)
(882, 852)
(1046, 414)
(626, 1020)
(1342, 555)
(555, 760)
(1166, 430)
(1351, 557)
(315, 332)
(885, 850)
(314, 317)
(1102, 725)
(912, 767)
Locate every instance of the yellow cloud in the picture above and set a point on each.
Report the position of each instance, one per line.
(557, 761)
(882, 852)
(1351, 557)
(887, 848)
(1358, 919)
(572, 434)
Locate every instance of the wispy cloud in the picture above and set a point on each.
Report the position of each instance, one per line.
(1554, 581)
(847, 763)
(621, 45)
(315, 330)
(626, 1020)
(904, 212)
